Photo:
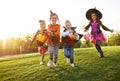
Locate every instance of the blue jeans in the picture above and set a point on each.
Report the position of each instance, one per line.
(68, 52)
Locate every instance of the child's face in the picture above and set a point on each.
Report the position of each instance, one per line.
(93, 16)
(68, 25)
(42, 25)
(54, 19)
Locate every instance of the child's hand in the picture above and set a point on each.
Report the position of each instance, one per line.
(75, 34)
(49, 30)
(111, 31)
(85, 30)
(52, 33)
(71, 31)
(90, 20)
(44, 45)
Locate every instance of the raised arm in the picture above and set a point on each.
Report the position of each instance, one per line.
(104, 27)
(34, 38)
(87, 27)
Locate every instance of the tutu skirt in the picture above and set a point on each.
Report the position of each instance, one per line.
(98, 37)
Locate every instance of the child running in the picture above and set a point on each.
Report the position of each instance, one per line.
(97, 36)
(53, 39)
(68, 38)
(41, 37)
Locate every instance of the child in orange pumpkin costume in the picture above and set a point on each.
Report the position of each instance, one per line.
(41, 37)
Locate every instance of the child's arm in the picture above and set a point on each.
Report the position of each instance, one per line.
(34, 38)
(105, 28)
(65, 33)
(57, 32)
(87, 27)
(50, 32)
(77, 37)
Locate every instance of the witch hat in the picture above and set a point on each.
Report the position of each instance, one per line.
(93, 10)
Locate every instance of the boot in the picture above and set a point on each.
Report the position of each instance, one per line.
(101, 54)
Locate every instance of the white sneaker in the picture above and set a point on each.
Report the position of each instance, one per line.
(41, 63)
(68, 60)
(49, 63)
(55, 64)
(72, 65)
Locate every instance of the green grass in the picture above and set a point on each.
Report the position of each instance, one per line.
(88, 67)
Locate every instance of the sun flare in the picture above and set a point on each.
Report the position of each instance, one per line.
(4, 36)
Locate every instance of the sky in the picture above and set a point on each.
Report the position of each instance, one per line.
(21, 16)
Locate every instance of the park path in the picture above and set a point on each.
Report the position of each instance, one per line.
(7, 56)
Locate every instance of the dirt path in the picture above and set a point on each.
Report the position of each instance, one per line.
(7, 56)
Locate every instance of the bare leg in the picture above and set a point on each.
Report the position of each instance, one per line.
(42, 57)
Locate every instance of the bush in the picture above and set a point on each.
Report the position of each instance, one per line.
(114, 39)
(86, 44)
(77, 44)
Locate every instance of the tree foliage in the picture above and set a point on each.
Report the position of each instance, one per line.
(114, 39)
(14, 45)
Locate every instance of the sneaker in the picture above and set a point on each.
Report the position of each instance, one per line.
(49, 63)
(68, 60)
(55, 64)
(72, 65)
(41, 63)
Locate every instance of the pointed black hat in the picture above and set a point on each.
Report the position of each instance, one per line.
(93, 10)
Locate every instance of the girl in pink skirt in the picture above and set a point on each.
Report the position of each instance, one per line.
(97, 37)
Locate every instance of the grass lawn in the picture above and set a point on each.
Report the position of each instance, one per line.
(88, 67)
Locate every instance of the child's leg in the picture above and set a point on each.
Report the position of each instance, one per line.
(98, 47)
(42, 57)
(56, 48)
(42, 52)
(71, 55)
(66, 52)
(50, 49)
(51, 56)
(39, 49)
